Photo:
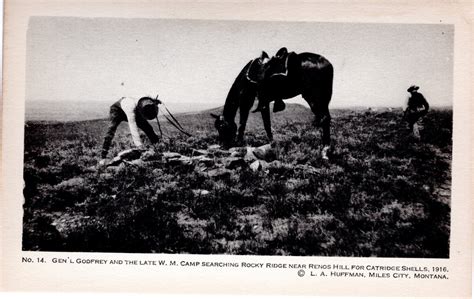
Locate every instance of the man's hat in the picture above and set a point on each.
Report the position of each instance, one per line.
(148, 107)
(413, 88)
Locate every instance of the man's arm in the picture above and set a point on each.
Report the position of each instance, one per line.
(147, 128)
(128, 106)
(425, 104)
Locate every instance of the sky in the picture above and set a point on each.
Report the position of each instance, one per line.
(192, 64)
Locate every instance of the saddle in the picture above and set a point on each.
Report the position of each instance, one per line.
(283, 73)
(285, 63)
(285, 70)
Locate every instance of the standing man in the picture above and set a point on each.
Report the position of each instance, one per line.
(136, 113)
(416, 108)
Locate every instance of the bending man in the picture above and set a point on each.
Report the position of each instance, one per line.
(136, 113)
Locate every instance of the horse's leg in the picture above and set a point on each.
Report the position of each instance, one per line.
(267, 122)
(245, 107)
(320, 107)
(326, 136)
(325, 123)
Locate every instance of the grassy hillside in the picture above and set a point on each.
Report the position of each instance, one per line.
(382, 193)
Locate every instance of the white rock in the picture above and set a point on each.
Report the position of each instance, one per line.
(265, 152)
(138, 162)
(238, 151)
(256, 166)
(249, 156)
(171, 155)
(214, 147)
(200, 192)
(183, 160)
(203, 160)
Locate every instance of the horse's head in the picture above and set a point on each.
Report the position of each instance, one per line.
(227, 130)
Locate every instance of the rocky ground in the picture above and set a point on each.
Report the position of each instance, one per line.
(381, 193)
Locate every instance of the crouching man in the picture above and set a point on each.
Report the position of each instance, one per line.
(416, 108)
(136, 113)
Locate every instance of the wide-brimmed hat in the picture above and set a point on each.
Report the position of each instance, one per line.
(413, 88)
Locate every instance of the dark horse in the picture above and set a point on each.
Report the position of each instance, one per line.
(284, 76)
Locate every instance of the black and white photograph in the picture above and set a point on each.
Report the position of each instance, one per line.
(238, 137)
(283, 148)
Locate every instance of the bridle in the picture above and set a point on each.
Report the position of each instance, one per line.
(248, 71)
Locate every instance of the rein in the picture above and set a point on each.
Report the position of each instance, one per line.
(173, 121)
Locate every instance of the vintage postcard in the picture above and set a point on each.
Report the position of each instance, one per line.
(306, 148)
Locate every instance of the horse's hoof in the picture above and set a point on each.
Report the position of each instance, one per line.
(324, 152)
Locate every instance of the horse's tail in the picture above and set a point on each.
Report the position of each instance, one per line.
(325, 84)
(330, 81)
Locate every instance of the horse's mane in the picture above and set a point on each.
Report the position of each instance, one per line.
(232, 101)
